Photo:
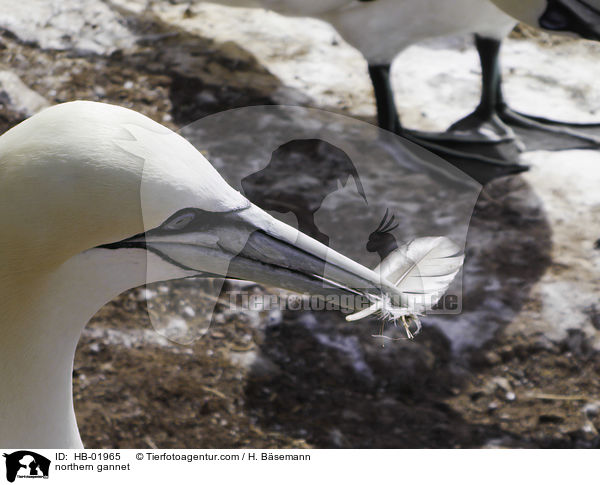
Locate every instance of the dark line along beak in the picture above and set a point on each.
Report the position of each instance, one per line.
(251, 245)
(572, 16)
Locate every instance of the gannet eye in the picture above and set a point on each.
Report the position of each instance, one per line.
(179, 221)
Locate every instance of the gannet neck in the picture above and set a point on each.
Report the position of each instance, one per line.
(72, 178)
(39, 341)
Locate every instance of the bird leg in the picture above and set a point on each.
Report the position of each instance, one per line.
(387, 114)
(484, 124)
(489, 122)
(493, 108)
(481, 164)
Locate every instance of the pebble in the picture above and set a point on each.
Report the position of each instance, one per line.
(589, 431)
(189, 312)
(17, 97)
(502, 383)
(146, 294)
(592, 409)
(94, 347)
(492, 358)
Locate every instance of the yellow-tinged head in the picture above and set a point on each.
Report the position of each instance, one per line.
(71, 178)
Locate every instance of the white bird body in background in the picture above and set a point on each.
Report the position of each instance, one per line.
(96, 199)
(381, 29)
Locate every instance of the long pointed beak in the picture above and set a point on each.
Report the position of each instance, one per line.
(575, 16)
(317, 267)
(249, 244)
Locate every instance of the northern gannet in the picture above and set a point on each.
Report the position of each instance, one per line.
(96, 199)
(381, 29)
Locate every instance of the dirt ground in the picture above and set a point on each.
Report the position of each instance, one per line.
(265, 381)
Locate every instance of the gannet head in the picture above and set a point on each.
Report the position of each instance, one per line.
(577, 17)
(87, 177)
(71, 179)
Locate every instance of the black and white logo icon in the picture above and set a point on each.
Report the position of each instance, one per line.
(26, 464)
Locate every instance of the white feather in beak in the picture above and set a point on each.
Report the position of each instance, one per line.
(421, 271)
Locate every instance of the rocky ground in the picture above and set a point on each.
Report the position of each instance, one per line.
(517, 368)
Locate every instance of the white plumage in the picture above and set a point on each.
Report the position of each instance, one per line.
(422, 270)
(96, 199)
(381, 29)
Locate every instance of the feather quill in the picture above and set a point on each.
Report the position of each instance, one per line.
(422, 270)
